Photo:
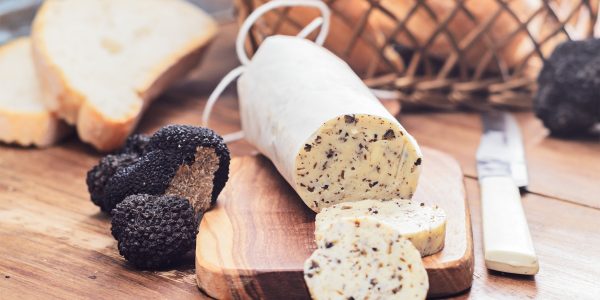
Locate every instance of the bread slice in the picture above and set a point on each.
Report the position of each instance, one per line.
(102, 61)
(24, 119)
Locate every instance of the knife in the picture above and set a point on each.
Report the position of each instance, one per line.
(502, 170)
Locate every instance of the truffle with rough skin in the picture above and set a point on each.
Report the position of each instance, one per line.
(187, 139)
(567, 100)
(186, 161)
(99, 175)
(154, 231)
(137, 143)
(157, 188)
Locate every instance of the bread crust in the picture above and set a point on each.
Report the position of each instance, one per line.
(34, 128)
(93, 126)
(107, 134)
(39, 129)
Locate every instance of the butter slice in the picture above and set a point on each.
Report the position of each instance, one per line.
(423, 225)
(364, 258)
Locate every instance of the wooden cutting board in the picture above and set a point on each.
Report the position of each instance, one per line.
(253, 244)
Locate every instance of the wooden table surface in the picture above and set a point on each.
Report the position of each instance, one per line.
(54, 243)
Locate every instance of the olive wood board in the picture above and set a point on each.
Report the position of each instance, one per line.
(253, 243)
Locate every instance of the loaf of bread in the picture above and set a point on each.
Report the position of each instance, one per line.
(462, 27)
(100, 62)
(359, 52)
(24, 120)
(358, 33)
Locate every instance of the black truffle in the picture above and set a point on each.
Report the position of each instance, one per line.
(99, 175)
(187, 140)
(137, 143)
(567, 100)
(187, 161)
(154, 231)
(97, 178)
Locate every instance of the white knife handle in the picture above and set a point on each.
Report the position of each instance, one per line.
(507, 242)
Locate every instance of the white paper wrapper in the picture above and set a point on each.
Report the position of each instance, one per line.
(297, 96)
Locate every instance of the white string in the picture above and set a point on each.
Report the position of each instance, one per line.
(214, 96)
(257, 13)
(386, 95)
(322, 21)
(310, 28)
(232, 137)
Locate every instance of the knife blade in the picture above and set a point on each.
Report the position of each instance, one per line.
(501, 140)
(501, 169)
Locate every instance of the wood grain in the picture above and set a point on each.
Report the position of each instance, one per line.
(567, 241)
(564, 169)
(253, 244)
(54, 243)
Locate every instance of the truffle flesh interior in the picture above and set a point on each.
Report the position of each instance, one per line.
(195, 182)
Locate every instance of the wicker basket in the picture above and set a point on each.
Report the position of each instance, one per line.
(443, 53)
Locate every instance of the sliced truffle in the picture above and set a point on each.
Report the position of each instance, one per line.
(186, 161)
(154, 231)
(188, 139)
(567, 100)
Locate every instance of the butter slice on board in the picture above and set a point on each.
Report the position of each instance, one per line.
(424, 226)
(364, 258)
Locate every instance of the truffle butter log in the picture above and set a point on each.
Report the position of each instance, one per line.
(325, 132)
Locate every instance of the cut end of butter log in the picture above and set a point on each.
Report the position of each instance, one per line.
(329, 137)
(354, 157)
(364, 258)
(423, 225)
